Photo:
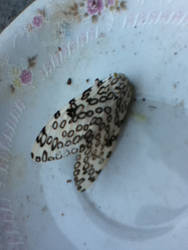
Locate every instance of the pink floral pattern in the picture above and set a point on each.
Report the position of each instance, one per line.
(37, 21)
(95, 6)
(111, 2)
(26, 76)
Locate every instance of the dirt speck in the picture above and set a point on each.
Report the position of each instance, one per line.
(181, 104)
(86, 14)
(87, 80)
(152, 107)
(32, 61)
(123, 5)
(102, 35)
(69, 181)
(62, 214)
(28, 198)
(59, 49)
(175, 53)
(143, 99)
(44, 209)
(41, 189)
(12, 88)
(94, 18)
(69, 81)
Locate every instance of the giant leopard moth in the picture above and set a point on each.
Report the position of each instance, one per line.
(89, 127)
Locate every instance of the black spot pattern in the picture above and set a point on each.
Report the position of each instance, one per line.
(88, 127)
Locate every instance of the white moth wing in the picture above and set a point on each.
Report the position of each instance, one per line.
(102, 139)
(63, 133)
(89, 126)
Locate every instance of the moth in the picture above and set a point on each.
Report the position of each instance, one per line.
(88, 127)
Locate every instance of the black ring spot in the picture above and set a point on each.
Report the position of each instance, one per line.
(90, 113)
(81, 115)
(92, 101)
(60, 145)
(110, 96)
(76, 139)
(55, 125)
(38, 159)
(103, 98)
(44, 156)
(108, 110)
(77, 164)
(57, 114)
(64, 133)
(99, 110)
(82, 148)
(74, 151)
(54, 143)
(79, 127)
(68, 143)
(63, 123)
(49, 140)
(86, 127)
(76, 172)
(70, 133)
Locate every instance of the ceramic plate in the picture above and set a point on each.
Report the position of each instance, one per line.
(140, 199)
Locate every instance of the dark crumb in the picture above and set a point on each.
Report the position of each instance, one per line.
(69, 181)
(175, 53)
(69, 81)
(94, 18)
(143, 99)
(152, 107)
(62, 214)
(97, 80)
(123, 5)
(59, 48)
(87, 80)
(135, 26)
(12, 88)
(65, 13)
(86, 14)
(42, 12)
(102, 35)
(32, 61)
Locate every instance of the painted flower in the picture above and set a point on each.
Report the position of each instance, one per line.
(37, 21)
(26, 76)
(110, 2)
(95, 6)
